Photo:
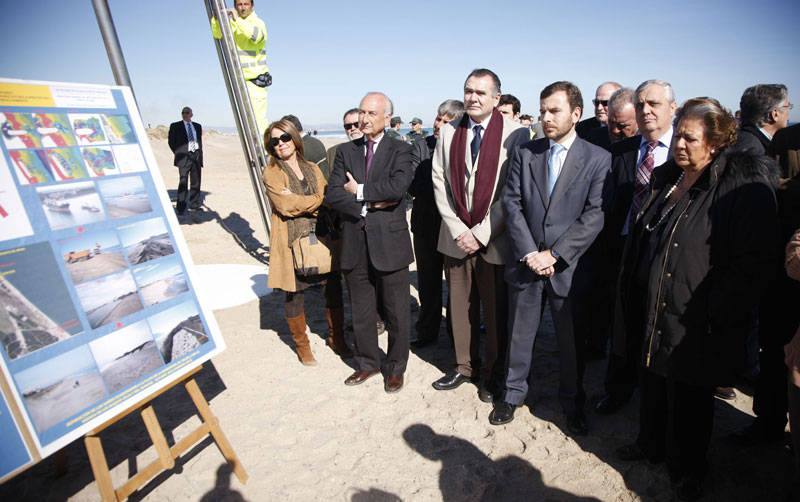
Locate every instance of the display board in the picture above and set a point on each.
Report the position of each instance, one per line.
(98, 308)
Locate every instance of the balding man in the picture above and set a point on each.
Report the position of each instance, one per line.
(632, 161)
(368, 188)
(621, 120)
(600, 102)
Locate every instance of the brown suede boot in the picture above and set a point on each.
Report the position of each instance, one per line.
(297, 326)
(336, 338)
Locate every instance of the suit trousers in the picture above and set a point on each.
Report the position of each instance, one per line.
(675, 423)
(189, 175)
(473, 282)
(525, 311)
(429, 283)
(363, 282)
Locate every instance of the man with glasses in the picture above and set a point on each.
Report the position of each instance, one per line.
(186, 142)
(765, 111)
(600, 102)
(350, 120)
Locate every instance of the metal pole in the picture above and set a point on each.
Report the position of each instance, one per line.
(252, 144)
(111, 41)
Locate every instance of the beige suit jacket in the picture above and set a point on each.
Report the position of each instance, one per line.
(490, 231)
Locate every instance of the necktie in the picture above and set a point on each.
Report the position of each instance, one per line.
(553, 167)
(190, 134)
(370, 154)
(475, 146)
(642, 182)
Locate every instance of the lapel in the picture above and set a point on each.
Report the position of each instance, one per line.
(357, 160)
(539, 167)
(572, 165)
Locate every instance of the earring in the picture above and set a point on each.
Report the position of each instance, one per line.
(713, 151)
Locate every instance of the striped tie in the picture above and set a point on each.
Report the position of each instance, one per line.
(642, 182)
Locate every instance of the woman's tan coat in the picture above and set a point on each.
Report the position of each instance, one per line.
(285, 206)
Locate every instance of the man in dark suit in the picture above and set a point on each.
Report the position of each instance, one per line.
(553, 211)
(765, 111)
(600, 119)
(368, 187)
(186, 142)
(632, 161)
(425, 224)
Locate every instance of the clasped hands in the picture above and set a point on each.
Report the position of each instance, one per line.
(542, 263)
(351, 187)
(468, 243)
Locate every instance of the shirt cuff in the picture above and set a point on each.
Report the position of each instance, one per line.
(360, 193)
(527, 255)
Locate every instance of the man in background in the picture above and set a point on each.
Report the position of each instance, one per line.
(186, 142)
(394, 129)
(250, 37)
(600, 101)
(351, 130)
(416, 130)
(510, 107)
(314, 149)
(765, 111)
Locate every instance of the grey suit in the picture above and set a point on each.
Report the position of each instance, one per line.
(566, 222)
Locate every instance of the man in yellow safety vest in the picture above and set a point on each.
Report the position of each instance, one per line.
(250, 36)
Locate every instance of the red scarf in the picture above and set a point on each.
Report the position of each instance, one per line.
(487, 169)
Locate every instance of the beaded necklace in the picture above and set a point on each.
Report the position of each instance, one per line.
(669, 208)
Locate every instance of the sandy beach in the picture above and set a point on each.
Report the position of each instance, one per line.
(302, 435)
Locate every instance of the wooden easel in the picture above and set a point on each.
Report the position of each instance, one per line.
(166, 455)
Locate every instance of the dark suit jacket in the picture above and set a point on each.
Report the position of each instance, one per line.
(599, 136)
(179, 142)
(567, 222)
(388, 240)
(751, 140)
(623, 175)
(425, 217)
(586, 126)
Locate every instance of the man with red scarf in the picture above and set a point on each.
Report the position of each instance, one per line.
(469, 171)
(553, 205)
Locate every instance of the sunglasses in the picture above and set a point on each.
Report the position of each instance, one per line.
(350, 125)
(603, 102)
(285, 138)
(185, 113)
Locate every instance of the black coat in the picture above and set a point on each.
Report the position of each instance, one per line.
(708, 277)
(179, 142)
(752, 140)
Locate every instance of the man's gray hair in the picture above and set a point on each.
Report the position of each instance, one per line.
(758, 102)
(452, 108)
(620, 99)
(647, 83)
(389, 106)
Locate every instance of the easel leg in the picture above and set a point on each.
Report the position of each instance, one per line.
(157, 436)
(102, 477)
(213, 424)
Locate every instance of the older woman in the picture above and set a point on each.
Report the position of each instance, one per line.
(692, 273)
(296, 188)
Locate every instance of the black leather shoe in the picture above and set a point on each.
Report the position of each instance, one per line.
(485, 394)
(576, 423)
(502, 413)
(609, 404)
(630, 453)
(423, 341)
(450, 381)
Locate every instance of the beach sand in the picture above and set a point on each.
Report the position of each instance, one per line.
(302, 435)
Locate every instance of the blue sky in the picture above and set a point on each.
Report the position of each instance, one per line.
(325, 55)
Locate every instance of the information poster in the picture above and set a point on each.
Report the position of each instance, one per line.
(97, 304)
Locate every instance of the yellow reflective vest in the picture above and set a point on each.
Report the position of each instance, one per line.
(250, 37)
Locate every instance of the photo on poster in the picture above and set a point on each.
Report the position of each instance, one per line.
(146, 240)
(109, 298)
(178, 331)
(66, 164)
(125, 196)
(118, 129)
(14, 222)
(35, 306)
(32, 166)
(54, 129)
(129, 158)
(126, 355)
(71, 205)
(19, 131)
(61, 387)
(160, 280)
(87, 128)
(92, 255)
(100, 161)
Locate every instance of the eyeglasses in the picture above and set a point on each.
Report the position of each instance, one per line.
(788, 107)
(283, 138)
(350, 125)
(603, 102)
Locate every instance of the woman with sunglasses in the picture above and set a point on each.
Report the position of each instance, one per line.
(296, 188)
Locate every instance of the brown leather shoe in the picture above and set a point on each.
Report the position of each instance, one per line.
(361, 375)
(393, 383)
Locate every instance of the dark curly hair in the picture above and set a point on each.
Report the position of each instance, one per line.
(720, 126)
